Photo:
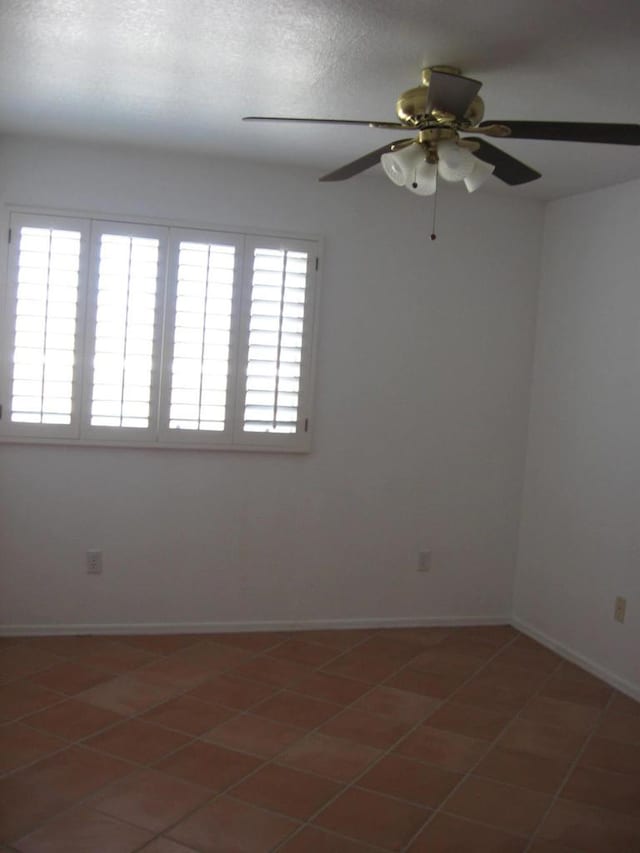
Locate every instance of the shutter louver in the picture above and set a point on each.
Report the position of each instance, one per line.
(45, 326)
(125, 331)
(276, 325)
(201, 336)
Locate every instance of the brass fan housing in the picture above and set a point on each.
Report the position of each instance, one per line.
(414, 110)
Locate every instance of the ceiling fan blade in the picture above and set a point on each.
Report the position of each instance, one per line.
(507, 168)
(451, 93)
(571, 131)
(388, 125)
(362, 163)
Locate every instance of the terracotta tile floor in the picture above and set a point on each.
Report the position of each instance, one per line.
(425, 740)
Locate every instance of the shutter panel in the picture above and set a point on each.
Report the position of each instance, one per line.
(279, 324)
(201, 336)
(127, 264)
(45, 268)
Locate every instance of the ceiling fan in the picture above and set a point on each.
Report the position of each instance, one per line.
(443, 107)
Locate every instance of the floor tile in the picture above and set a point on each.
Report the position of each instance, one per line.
(232, 691)
(433, 684)
(577, 718)
(38, 792)
(507, 807)
(19, 661)
(118, 658)
(70, 677)
(422, 784)
(442, 662)
(621, 704)
(591, 830)
(550, 847)
(83, 830)
(336, 639)
(23, 697)
(72, 719)
(624, 728)
(296, 709)
(468, 720)
(126, 695)
(303, 652)
(137, 741)
(161, 644)
(449, 834)
(494, 694)
(229, 825)
(541, 739)
(165, 845)
(368, 729)
(582, 692)
(448, 750)
(531, 659)
(384, 645)
(612, 755)
(524, 769)
(331, 688)
(335, 758)
(20, 745)
(467, 647)
(398, 705)
(617, 792)
(188, 714)
(515, 677)
(255, 642)
(216, 657)
(173, 670)
(290, 792)
(363, 665)
(150, 800)
(208, 765)
(373, 818)
(273, 671)
(314, 840)
(496, 635)
(424, 637)
(256, 735)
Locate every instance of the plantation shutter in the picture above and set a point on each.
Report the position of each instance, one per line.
(278, 323)
(200, 331)
(127, 274)
(153, 335)
(46, 264)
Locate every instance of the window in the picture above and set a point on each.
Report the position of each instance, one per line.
(150, 335)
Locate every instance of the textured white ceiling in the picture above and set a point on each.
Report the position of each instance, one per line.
(182, 73)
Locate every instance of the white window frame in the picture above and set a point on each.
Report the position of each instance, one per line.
(158, 435)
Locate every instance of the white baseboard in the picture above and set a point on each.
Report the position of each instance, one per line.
(114, 628)
(621, 684)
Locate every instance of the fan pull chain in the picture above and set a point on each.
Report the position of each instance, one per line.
(435, 203)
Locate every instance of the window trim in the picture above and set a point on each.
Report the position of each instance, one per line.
(161, 438)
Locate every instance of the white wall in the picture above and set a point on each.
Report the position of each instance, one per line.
(579, 545)
(422, 401)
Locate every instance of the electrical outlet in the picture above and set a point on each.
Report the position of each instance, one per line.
(94, 562)
(620, 609)
(424, 561)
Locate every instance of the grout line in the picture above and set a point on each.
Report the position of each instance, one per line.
(440, 807)
(570, 770)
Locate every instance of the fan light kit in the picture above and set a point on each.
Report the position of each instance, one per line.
(443, 107)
